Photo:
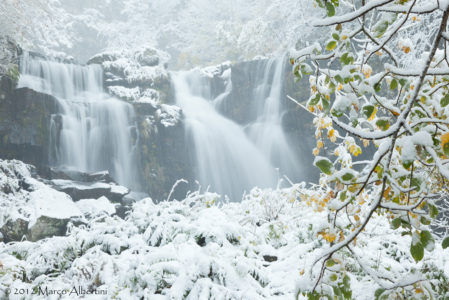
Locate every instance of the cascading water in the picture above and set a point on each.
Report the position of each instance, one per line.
(92, 131)
(226, 159)
(266, 131)
(231, 158)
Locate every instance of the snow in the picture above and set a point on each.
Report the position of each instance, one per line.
(169, 114)
(93, 207)
(128, 94)
(203, 248)
(63, 183)
(118, 189)
(29, 205)
(350, 16)
(53, 204)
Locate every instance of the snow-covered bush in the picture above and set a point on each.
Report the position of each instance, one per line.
(381, 80)
(200, 249)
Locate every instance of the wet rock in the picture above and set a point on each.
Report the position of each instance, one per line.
(14, 230)
(47, 227)
(25, 123)
(270, 258)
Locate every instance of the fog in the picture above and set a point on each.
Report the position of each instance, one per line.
(193, 32)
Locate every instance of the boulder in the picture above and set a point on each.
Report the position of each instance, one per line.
(47, 227)
(86, 190)
(14, 230)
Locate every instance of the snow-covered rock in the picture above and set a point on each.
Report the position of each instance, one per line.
(96, 207)
(90, 190)
(29, 207)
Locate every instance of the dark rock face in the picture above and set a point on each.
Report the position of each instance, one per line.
(163, 157)
(25, 123)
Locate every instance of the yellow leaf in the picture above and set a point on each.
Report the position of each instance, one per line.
(373, 115)
(320, 144)
(356, 217)
(445, 143)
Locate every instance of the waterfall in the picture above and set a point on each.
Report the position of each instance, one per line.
(226, 159)
(231, 158)
(92, 131)
(266, 131)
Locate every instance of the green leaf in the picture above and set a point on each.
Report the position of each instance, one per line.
(330, 9)
(396, 223)
(368, 110)
(314, 101)
(330, 263)
(427, 239)
(336, 113)
(416, 183)
(383, 124)
(417, 251)
(393, 84)
(347, 177)
(407, 163)
(331, 45)
(424, 220)
(325, 165)
(306, 69)
(445, 242)
(381, 28)
(378, 293)
(445, 101)
(336, 36)
(402, 82)
(433, 211)
(337, 291)
(339, 79)
(378, 87)
(325, 105)
(333, 277)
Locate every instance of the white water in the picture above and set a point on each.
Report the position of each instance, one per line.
(230, 158)
(226, 159)
(92, 131)
(267, 132)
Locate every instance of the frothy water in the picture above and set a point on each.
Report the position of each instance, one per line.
(267, 132)
(231, 158)
(92, 131)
